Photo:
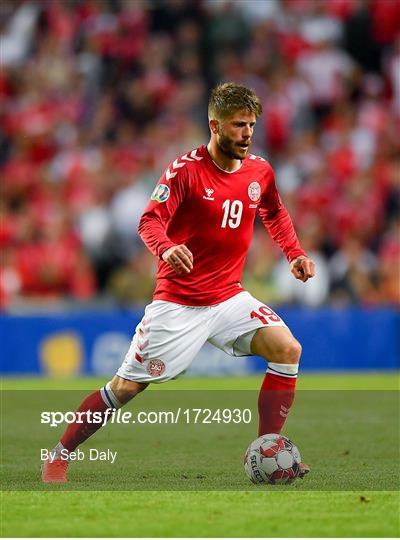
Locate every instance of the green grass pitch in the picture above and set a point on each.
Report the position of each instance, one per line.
(187, 480)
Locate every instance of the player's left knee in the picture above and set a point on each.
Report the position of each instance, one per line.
(294, 352)
(288, 353)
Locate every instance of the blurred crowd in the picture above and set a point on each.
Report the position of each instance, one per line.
(98, 97)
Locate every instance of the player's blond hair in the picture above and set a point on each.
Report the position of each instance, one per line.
(228, 98)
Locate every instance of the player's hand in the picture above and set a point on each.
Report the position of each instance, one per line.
(302, 268)
(179, 258)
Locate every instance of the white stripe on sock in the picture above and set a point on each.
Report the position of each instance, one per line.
(108, 396)
(284, 370)
(105, 398)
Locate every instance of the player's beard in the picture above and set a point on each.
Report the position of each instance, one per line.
(230, 148)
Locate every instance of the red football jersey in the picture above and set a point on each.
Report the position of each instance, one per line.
(212, 212)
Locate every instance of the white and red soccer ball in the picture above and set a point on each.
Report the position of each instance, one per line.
(272, 459)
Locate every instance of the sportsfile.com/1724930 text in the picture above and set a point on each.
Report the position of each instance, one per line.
(180, 415)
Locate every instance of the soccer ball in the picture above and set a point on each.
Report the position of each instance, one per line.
(272, 459)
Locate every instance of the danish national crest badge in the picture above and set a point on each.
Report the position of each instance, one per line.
(254, 191)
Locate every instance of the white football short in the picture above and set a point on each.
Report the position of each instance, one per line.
(170, 335)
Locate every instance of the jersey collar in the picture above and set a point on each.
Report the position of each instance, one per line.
(220, 168)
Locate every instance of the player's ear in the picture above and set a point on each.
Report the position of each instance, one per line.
(213, 125)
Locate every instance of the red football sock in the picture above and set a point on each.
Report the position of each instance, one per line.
(274, 402)
(77, 432)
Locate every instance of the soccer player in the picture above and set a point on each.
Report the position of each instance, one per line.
(199, 224)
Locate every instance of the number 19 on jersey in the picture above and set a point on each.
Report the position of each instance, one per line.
(232, 214)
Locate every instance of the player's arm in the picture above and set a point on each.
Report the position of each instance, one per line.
(277, 221)
(165, 200)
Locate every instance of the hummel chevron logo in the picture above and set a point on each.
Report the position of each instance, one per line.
(170, 175)
(252, 156)
(284, 411)
(209, 193)
(194, 155)
(177, 164)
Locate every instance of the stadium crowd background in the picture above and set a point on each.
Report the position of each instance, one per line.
(99, 96)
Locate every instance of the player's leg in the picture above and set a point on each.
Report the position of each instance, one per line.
(282, 351)
(244, 326)
(165, 342)
(113, 395)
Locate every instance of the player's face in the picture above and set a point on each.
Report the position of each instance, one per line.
(234, 134)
